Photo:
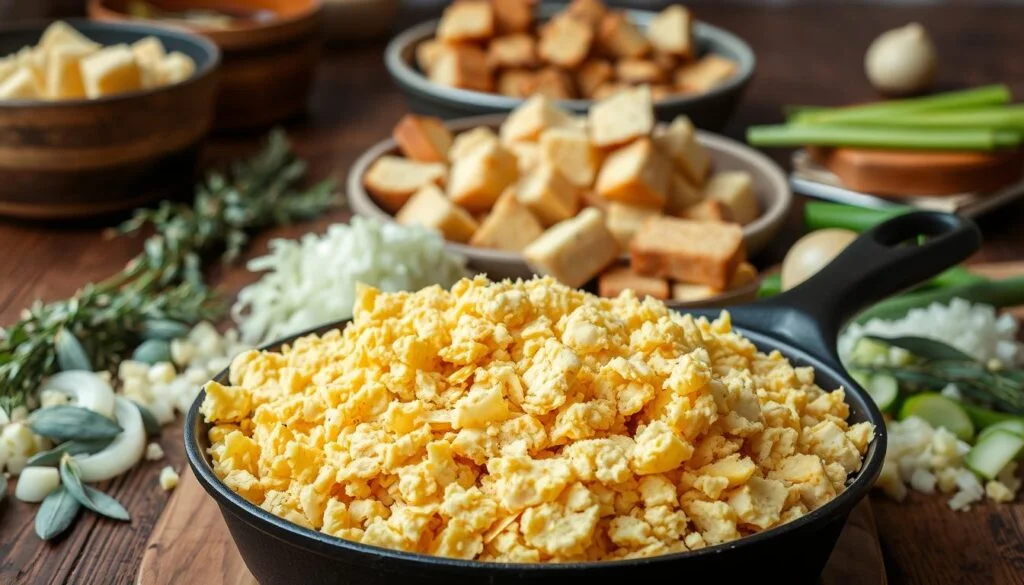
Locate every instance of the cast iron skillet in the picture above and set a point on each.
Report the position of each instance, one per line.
(802, 324)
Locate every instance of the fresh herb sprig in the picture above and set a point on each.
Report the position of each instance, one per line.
(165, 281)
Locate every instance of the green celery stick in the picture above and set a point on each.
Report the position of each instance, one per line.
(990, 95)
(880, 137)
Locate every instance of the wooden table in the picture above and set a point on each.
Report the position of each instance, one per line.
(806, 54)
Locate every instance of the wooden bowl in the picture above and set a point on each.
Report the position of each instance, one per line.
(269, 64)
(770, 186)
(357, 21)
(81, 158)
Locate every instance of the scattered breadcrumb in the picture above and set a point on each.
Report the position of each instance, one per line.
(168, 478)
(154, 452)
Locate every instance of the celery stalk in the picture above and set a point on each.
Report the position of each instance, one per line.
(820, 215)
(1004, 118)
(990, 95)
(880, 137)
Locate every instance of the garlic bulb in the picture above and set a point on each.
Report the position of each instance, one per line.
(902, 60)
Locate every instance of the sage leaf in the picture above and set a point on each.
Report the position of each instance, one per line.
(65, 422)
(148, 420)
(70, 353)
(925, 348)
(56, 513)
(165, 329)
(91, 498)
(152, 352)
(106, 505)
(52, 457)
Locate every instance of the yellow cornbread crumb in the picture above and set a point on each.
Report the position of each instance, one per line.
(529, 422)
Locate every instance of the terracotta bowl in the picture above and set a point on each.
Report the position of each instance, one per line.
(82, 158)
(269, 63)
(770, 186)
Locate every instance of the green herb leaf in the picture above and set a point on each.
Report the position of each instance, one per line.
(925, 348)
(152, 351)
(56, 513)
(106, 505)
(66, 422)
(165, 329)
(70, 353)
(52, 457)
(93, 499)
(148, 420)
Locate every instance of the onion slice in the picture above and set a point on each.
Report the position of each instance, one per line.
(86, 388)
(123, 453)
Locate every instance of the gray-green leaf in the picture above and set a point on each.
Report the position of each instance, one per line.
(106, 505)
(70, 353)
(925, 348)
(148, 420)
(65, 422)
(91, 498)
(52, 457)
(152, 351)
(56, 513)
(165, 329)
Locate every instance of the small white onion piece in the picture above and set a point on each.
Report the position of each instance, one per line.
(123, 453)
(86, 388)
(35, 483)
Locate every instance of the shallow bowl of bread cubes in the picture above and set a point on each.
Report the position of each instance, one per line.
(488, 56)
(608, 201)
(98, 118)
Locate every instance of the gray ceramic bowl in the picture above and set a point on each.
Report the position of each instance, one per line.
(770, 186)
(709, 110)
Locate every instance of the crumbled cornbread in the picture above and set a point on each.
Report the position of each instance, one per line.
(526, 421)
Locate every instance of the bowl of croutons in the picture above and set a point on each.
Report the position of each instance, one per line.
(610, 201)
(488, 56)
(97, 118)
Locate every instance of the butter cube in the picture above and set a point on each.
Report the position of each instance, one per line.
(63, 72)
(110, 71)
(549, 195)
(20, 85)
(7, 68)
(431, 209)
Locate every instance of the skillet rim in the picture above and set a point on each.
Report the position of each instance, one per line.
(325, 545)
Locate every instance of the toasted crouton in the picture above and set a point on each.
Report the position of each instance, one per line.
(575, 250)
(527, 155)
(478, 178)
(608, 89)
(619, 37)
(636, 174)
(682, 195)
(706, 210)
(735, 190)
(512, 51)
(512, 16)
(515, 82)
(427, 53)
(619, 279)
(565, 42)
(466, 20)
(533, 117)
(637, 71)
(589, 198)
(745, 274)
(549, 195)
(689, 251)
(624, 116)
(466, 142)
(624, 221)
(704, 74)
(423, 138)
(551, 82)
(691, 293)
(588, 11)
(393, 180)
(679, 142)
(462, 66)
(430, 208)
(569, 150)
(671, 32)
(592, 74)
(510, 225)
(666, 62)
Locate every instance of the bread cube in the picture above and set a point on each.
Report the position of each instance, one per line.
(468, 141)
(624, 116)
(706, 210)
(735, 190)
(704, 74)
(608, 89)
(679, 142)
(423, 138)
(513, 16)
(512, 51)
(619, 37)
(592, 74)
(589, 198)
(588, 11)
(466, 20)
(150, 54)
(636, 174)
(514, 82)
(745, 274)
(575, 250)
(552, 83)
(661, 91)
(549, 195)
(462, 66)
(427, 53)
(431, 209)
(619, 279)
(671, 31)
(666, 62)
(480, 177)
(569, 150)
(510, 225)
(682, 195)
(637, 71)
(533, 117)
(20, 85)
(527, 156)
(393, 180)
(624, 221)
(176, 67)
(691, 293)
(565, 42)
(64, 73)
(688, 251)
(110, 70)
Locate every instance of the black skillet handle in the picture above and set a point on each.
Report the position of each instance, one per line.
(881, 262)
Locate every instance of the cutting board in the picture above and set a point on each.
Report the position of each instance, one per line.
(190, 544)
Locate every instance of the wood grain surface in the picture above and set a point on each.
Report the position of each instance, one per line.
(808, 54)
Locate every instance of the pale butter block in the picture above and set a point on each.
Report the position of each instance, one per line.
(430, 208)
(549, 195)
(111, 70)
(510, 225)
(575, 250)
(61, 34)
(480, 177)
(569, 150)
(8, 66)
(64, 73)
(20, 85)
(735, 190)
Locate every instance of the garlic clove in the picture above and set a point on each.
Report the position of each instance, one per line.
(902, 60)
(35, 483)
